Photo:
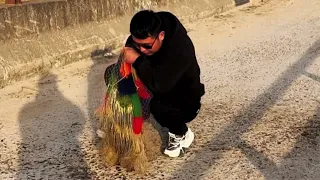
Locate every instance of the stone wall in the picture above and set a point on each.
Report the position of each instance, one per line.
(39, 35)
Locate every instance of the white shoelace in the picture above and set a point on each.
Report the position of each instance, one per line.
(174, 141)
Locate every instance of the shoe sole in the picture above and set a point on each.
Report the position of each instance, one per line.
(173, 154)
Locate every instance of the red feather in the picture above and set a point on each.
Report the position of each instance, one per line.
(137, 125)
(142, 91)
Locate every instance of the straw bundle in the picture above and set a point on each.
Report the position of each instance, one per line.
(121, 116)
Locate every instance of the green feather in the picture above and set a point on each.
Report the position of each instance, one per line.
(136, 105)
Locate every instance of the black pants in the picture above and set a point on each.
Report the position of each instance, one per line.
(174, 116)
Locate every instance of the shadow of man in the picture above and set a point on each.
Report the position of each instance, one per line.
(49, 127)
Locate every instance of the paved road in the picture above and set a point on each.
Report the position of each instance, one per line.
(260, 116)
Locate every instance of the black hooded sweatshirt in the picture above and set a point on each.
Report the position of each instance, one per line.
(172, 74)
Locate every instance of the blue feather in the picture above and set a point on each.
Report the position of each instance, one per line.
(126, 86)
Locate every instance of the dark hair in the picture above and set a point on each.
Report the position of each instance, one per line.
(144, 24)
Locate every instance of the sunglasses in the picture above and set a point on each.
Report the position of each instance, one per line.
(146, 46)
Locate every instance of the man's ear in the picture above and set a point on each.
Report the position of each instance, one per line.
(161, 35)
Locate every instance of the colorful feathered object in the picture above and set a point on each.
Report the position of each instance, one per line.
(132, 86)
(122, 115)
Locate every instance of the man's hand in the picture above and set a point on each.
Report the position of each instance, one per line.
(130, 55)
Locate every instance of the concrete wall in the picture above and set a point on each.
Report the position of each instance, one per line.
(39, 35)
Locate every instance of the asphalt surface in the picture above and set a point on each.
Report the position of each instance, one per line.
(260, 117)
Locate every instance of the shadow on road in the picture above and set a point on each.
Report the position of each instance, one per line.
(194, 167)
(49, 127)
(302, 162)
(312, 76)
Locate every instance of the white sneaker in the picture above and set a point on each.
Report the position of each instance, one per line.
(177, 143)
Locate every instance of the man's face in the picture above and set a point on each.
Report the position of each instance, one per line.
(150, 45)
